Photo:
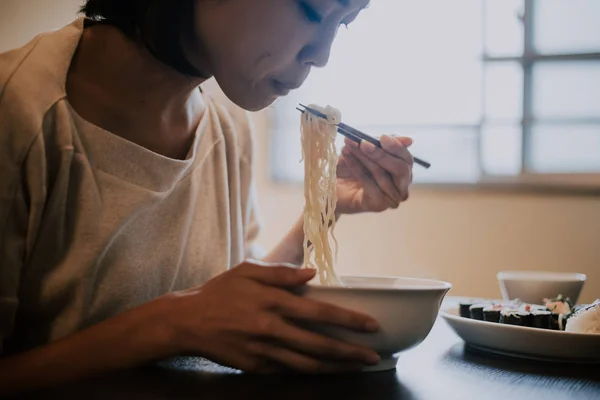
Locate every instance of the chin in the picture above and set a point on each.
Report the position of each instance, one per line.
(259, 106)
(249, 98)
(252, 103)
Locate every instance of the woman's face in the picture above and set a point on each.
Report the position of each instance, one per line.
(259, 50)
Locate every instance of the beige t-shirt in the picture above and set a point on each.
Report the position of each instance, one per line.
(91, 224)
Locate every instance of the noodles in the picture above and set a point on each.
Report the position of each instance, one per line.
(320, 162)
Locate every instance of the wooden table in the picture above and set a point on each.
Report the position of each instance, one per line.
(442, 367)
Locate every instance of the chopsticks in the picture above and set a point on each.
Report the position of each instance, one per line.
(354, 134)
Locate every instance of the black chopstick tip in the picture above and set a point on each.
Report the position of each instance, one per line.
(422, 163)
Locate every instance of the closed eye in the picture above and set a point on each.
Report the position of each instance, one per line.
(310, 13)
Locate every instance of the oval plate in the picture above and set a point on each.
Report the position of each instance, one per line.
(524, 342)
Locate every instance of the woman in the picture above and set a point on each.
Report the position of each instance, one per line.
(126, 197)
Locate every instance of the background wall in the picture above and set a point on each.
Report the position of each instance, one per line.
(462, 237)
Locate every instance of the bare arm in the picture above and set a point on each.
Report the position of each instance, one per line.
(291, 249)
(131, 339)
(204, 321)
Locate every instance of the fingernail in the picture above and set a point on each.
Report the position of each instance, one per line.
(309, 271)
(346, 151)
(367, 147)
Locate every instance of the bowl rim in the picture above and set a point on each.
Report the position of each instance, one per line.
(440, 285)
(544, 276)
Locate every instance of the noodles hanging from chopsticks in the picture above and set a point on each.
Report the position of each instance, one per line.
(320, 161)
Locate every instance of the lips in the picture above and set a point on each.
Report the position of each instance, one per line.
(283, 88)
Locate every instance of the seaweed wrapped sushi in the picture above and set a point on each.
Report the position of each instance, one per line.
(515, 317)
(492, 313)
(476, 310)
(561, 308)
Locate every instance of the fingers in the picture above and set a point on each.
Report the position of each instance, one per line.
(276, 275)
(316, 345)
(397, 147)
(295, 361)
(360, 172)
(393, 160)
(294, 307)
(400, 172)
(382, 179)
(392, 157)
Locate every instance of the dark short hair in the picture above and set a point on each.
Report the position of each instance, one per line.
(158, 24)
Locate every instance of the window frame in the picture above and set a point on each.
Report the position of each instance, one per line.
(586, 184)
(577, 183)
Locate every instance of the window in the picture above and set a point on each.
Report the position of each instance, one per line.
(491, 91)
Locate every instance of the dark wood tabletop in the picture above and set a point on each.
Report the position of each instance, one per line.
(442, 367)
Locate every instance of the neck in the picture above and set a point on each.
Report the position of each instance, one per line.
(118, 85)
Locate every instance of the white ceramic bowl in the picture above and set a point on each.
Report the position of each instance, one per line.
(534, 286)
(405, 308)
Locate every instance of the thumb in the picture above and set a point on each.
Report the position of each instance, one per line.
(277, 274)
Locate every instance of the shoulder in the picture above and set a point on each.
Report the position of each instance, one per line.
(18, 122)
(32, 82)
(33, 77)
(15, 102)
(37, 71)
(11, 61)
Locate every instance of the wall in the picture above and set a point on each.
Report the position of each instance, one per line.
(461, 237)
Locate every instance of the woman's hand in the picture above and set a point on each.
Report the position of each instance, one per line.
(243, 319)
(374, 179)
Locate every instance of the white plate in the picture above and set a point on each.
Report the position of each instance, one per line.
(524, 342)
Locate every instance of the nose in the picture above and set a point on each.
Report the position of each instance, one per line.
(317, 52)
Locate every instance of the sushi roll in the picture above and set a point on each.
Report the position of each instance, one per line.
(561, 308)
(527, 318)
(492, 313)
(515, 317)
(476, 310)
(559, 305)
(559, 322)
(541, 319)
(464, 308)
(532, 307)
(509, 316)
